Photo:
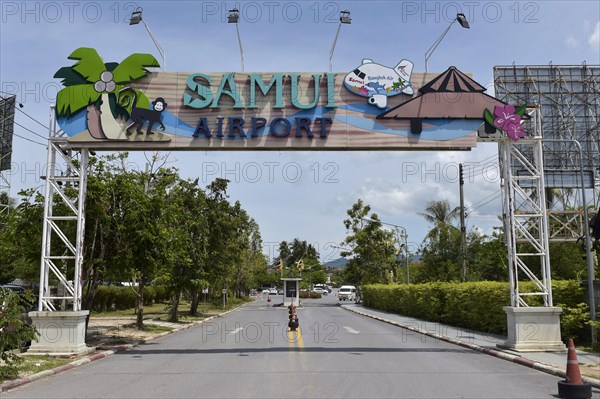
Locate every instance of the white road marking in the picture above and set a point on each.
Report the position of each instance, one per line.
(351, 330)
(237, 330)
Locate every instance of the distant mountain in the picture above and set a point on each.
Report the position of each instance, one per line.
(339, 263)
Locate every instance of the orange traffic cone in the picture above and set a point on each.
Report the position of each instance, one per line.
(573, 372)
(573, 386)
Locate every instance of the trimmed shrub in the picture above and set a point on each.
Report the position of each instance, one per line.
(305, 294)
(472, 305)
(122, 298)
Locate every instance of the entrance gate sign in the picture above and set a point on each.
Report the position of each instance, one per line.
(125, 106)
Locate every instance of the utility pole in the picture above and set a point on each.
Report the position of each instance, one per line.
(463, 229)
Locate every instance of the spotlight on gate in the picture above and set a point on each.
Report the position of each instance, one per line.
(234, 16)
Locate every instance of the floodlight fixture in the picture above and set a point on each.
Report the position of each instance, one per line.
(136, 18)
(234, 18)
(462, 20)
(344, 19)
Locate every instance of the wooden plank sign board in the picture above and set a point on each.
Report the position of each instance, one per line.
(271, 111)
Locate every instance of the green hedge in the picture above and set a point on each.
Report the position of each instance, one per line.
(121, 298)
(473, 305)
(305, 294)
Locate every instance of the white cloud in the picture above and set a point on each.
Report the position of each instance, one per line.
(594, 39)
(571, 42)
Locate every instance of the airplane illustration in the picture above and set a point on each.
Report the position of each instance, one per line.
(378, 82)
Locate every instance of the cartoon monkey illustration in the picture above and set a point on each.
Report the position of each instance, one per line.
(139, 115)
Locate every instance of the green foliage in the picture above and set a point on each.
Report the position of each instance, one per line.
(309, 294)
(441, 248)
(169, 236)
(73, 99)
(596, 325)
(486, 257)
(573, 319)
(120, 298)
(89, 64)
(14, 331)
(371, 247)
(473, 305)
(134, 67)
(79, 79)
(298, 249)
(19, 253)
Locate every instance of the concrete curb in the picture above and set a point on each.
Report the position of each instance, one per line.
(12, 384)
(488, 351)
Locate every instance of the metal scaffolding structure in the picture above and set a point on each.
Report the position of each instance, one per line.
(4, 188)
(569, 100)
(7, 118)
(64, 221)
(524, 213)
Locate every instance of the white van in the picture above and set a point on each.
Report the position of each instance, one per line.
(347, 292)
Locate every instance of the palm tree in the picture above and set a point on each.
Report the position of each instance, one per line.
(102, 88)
(439, 213)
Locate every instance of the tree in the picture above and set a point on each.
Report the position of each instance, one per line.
(440, 214)
(13, 331)
(487, 256)
(441, 248)
(285, 253)
(371, 247)
(143, 226)
(19, 251)
(189, 242)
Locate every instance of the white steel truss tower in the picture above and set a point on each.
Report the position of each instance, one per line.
(64, 222)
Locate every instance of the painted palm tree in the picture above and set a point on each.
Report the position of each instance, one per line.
(440, 214)
(102, 88)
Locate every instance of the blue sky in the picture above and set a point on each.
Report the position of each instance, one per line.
(300, 194)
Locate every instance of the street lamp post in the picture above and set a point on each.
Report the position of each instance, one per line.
(344, 19)
(136, 18)
(462, 20)
(233, 18)
(404, 235)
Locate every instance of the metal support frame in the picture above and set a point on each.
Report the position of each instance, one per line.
(524, 212)
(4, 187)
(63, 226)
(570, 105)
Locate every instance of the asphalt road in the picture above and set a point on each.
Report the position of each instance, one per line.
(337, 354)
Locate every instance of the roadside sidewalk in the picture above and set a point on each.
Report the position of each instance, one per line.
(548, 362)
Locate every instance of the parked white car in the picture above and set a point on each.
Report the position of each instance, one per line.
(347, 292)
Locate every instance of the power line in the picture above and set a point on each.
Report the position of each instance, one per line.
(31, 131)
(476, 204)
(28, 139)
(474, 208)
(32, 118)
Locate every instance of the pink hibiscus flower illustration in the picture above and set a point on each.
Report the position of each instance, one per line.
(505, 116)
(515, 131)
